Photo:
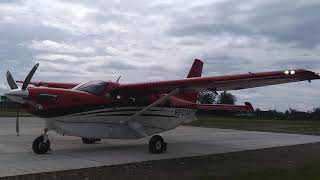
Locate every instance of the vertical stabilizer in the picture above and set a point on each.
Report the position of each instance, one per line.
(195, 71)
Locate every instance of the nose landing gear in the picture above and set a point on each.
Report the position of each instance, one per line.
(41, 144)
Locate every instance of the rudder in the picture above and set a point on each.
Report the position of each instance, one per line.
(195, 71)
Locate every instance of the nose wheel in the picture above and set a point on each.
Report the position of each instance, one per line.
(157, 145)
(41, 144)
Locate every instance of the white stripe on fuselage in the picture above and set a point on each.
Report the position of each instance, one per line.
(106, 123)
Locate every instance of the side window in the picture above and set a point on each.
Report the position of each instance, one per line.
(94, 87)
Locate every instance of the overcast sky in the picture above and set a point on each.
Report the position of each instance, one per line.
(142, 40)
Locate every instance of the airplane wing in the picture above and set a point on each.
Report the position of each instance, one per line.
(52, 84)
(222, 83)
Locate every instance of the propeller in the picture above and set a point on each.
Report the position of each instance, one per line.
(12, 83)
(17, 120)
(19, 95)
(29, 77)
(118, 79)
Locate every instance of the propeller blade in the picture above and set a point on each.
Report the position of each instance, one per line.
(118, 79)
(12, 83)
(29, 77)
(17, 120)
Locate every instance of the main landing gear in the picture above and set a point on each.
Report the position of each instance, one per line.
(89, 140)
(41, 144)
(157, 145)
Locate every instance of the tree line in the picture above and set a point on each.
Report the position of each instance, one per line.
(290, 114)
(210, 97)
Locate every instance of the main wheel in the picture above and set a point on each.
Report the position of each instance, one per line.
(157, 145)
(89, 140)
(40, 147)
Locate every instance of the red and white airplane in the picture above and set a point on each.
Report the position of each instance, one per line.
(110, 110)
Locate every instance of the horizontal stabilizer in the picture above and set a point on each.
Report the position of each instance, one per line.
(226, 107)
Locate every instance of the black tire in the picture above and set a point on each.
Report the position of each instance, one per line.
(39, 147)
(157, 145)
(89, 140)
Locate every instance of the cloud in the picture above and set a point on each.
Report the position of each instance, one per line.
(56, 57)
(55, 14)
(78, 40)
(280, 20)
(4, 87)
(52, 46)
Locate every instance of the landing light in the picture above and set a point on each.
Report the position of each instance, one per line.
(292, 72)
(287, 72)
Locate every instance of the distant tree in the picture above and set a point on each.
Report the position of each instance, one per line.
(207, 97)
(287, 113)
(226, 98)
(316, 111)
(316, 114)
(291, 111)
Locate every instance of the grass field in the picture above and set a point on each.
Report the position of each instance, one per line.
(309, 171)
(284, 126)
(12, 112)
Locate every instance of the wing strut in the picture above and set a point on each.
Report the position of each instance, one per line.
(136, 125)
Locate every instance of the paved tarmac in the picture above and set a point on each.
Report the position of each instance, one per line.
(17, 158)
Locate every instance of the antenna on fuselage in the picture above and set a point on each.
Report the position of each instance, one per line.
(118, 79)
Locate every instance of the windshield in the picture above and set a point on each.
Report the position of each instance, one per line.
(93, 87)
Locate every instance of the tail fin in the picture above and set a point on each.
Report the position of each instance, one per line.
(195, 71)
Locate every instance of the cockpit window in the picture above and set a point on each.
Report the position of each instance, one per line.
(93, 87)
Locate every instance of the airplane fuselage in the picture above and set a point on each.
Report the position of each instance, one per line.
(110, 123)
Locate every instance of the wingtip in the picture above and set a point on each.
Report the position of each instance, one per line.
(313, 75)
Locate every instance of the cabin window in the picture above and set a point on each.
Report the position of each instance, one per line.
(93, 87)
